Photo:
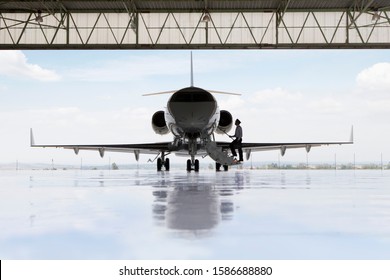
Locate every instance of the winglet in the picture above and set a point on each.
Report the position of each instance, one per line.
(32, 142)
(351, 137)
(192, 72)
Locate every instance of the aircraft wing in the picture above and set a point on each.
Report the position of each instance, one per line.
(256, 147)
(142, 148)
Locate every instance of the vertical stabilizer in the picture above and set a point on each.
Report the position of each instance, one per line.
(192, 72)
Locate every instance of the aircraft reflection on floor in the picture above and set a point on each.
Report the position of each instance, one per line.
(195, 204)
(185, 202)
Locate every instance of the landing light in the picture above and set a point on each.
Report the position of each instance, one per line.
(206, 17)
(376, 16)
(39, 17)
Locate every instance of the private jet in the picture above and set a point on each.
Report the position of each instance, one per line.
(193, 117)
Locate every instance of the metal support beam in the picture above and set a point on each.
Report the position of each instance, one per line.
(130, 28)
(282, 10)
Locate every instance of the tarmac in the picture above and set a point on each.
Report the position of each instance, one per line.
(239, 214)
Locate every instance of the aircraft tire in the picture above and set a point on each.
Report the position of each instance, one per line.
(196, 167)
(189, 165)
(226, 167)
(159, 164)
(166, 164)
(217, 166)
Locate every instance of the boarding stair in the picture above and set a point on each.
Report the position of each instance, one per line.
(218, 155)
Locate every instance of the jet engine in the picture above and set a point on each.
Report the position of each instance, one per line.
(225, 122)
(158, 123)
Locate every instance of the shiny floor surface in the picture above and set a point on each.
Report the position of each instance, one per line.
(240, 214)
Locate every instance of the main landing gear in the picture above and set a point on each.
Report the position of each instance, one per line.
(218, 167)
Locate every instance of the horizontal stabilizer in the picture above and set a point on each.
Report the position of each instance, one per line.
(223, 92)
(173, 91)
(159, 93)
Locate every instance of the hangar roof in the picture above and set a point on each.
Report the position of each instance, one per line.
(189, 24)
(193, 5)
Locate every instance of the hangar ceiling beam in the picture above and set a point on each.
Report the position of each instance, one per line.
(190, 24)
(282, 10)
(360, 8)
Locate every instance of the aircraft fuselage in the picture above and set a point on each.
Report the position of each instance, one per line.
(192, 113)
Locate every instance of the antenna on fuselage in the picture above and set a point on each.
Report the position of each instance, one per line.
(192, 72)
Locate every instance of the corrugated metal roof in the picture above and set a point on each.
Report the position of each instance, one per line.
(191, 5)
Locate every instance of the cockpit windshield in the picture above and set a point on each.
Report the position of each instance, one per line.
(192, 94)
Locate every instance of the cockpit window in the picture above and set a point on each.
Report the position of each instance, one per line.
(201, 97)
(191, 94)
(181, 97)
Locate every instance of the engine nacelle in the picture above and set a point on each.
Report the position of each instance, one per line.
(158, 123)
(225, 122)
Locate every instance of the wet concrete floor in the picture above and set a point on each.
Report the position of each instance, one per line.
(240, 214)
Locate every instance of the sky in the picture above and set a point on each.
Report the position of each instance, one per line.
(95, 97)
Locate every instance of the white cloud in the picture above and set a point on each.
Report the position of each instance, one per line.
(375, 107)
(15, 64)
(326, 105)
(275, 95)
(61, 117)
(72, 124)
(231, 103)
(3, 88)
(376, 77)
(276, 102)
(130, 68)
(136, 67)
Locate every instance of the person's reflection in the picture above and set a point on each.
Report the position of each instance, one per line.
(195, 207)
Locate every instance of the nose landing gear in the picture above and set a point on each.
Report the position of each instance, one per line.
(162, 161)
(193, 165)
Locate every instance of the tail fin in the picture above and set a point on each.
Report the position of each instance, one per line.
(192, 72)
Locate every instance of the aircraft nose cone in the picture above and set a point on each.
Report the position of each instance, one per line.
(195, 116)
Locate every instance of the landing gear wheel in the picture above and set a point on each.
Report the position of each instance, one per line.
(189, 165)
(196, 167)
(166, 164)
(159, 164)
(226, 167)
(217, 166)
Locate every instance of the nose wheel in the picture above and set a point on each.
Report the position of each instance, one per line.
(161, 161)
(193, 166)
